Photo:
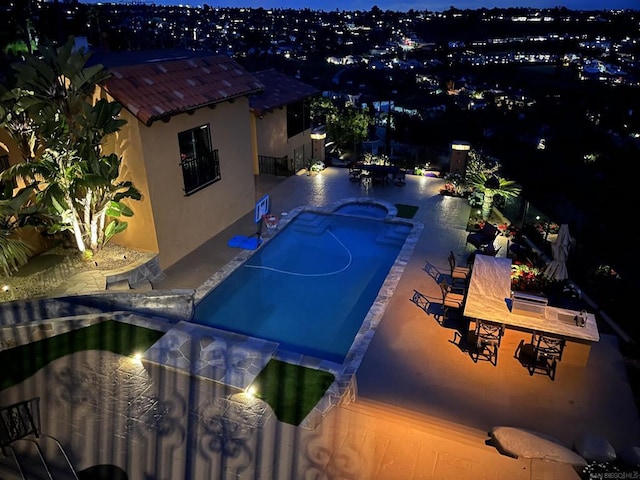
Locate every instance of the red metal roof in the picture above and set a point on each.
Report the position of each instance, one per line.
(279, 90)
(159, 90)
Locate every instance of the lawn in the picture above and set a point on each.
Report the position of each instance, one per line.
(21, 362)
(291, 390)
(406, 211)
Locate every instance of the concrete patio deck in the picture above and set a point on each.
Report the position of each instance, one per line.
(423, 407)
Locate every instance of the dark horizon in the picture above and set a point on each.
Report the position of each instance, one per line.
(406, 5)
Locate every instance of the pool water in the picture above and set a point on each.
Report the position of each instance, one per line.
(363, 210)
(311, 286)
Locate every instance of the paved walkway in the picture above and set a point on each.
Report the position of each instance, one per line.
(423, 406)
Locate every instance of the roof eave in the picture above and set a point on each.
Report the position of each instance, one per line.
(167, 116)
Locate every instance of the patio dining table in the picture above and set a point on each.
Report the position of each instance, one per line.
(381, 173)
(489, 297)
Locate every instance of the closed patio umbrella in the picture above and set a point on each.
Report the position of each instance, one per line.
(557, 268)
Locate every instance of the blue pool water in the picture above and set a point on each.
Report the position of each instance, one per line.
(363, 209)
(310, 287)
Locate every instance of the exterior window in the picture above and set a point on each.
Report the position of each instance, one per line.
(200, 164)
(298, 118)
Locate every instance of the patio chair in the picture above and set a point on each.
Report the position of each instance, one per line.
(547, 352)
(490, 250)
(380, 176)
(488, 337)
(458, 273)
(452, 297)
(355, 174)
(399, 177)
(453, 289)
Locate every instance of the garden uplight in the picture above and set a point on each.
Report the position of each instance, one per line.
(136, 358)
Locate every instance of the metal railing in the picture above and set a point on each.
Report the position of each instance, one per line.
(200, 171)
(20, 422)
(278, 166)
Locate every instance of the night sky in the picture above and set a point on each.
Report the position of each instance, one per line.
(404, 5)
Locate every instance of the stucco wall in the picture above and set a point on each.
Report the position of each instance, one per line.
(141, 233)
(271, 135)
(165, 220)
(298, 141)
(8, 147)
(182, 222)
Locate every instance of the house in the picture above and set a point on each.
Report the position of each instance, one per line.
(281, 123)
(192, 142)
(186, 146)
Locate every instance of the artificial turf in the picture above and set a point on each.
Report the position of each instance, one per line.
(21, 362)
(406, 211)
(291, 390)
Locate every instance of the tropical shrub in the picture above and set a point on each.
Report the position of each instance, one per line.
(59, 129)
(454, 184)
(16, 213)
(526, 277)
(483, 177)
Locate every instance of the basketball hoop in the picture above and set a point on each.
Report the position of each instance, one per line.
(271, 221)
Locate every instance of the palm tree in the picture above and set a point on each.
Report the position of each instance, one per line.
(490, 184)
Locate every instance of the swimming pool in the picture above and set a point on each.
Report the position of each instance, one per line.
(364, 210)
(311, 286)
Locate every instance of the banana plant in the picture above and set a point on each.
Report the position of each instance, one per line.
(100, 193)
(14, 212)
(77, 180)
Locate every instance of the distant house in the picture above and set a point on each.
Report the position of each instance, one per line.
(282, 123)
(186, 146)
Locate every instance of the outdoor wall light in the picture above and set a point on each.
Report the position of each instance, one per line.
(463, 146)
(251, 391)
(318, 136)
(5, 288)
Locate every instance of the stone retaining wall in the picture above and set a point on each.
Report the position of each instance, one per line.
(149, 270)
(172, 305)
